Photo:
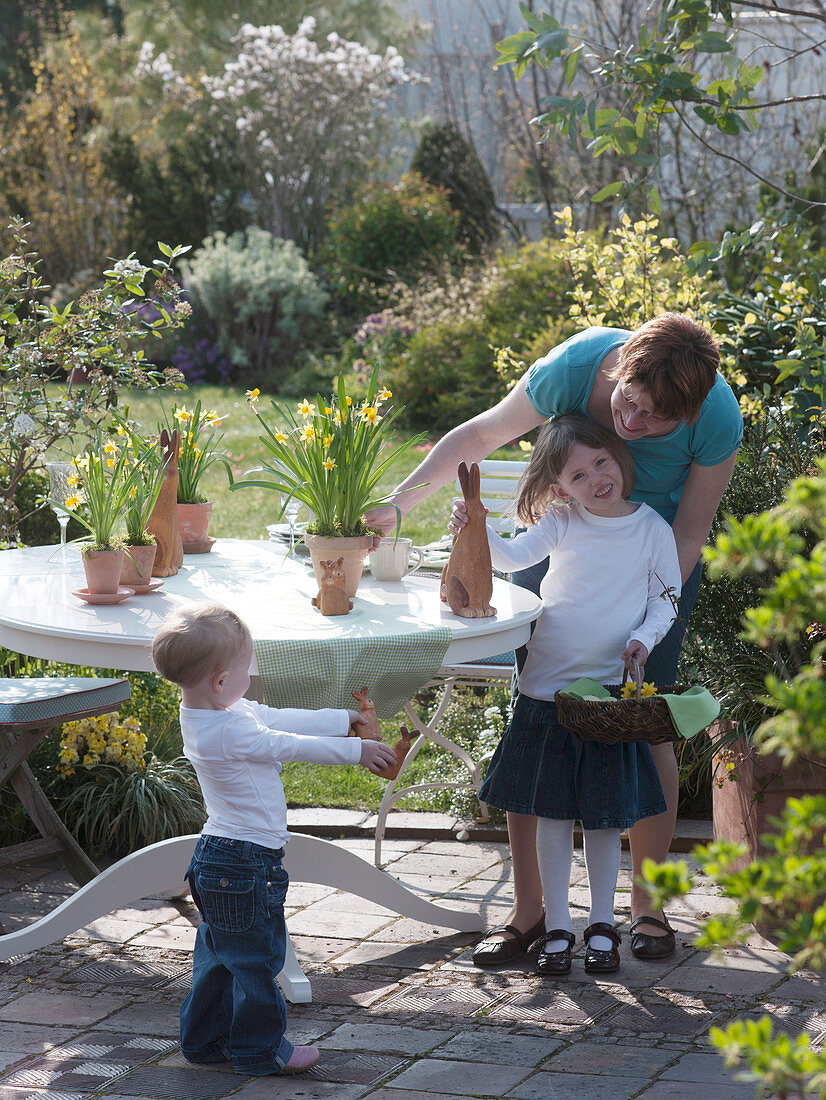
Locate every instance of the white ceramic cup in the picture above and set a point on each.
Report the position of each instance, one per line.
(391, 561)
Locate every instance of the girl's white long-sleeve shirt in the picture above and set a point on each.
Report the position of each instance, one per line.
(605, 585)
(237, 755)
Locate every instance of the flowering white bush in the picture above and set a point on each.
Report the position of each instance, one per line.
(304, 117)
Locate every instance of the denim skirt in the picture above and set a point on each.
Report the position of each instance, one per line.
(541, 768)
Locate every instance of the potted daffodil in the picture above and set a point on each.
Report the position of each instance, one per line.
(200, 449)
(330, 454)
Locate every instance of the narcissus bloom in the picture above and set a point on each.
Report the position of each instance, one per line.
(307, 435)
(306, 408)
(329, 464)
(370, 413)
(252, 395)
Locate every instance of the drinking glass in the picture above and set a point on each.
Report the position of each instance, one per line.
(292, 510)
(60, 490)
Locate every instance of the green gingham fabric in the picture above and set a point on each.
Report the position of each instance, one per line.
(311, 673)
(32, 701)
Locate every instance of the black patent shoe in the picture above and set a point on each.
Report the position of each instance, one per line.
(492, 951)
(549, 963)
(646, 946)
(598, 961)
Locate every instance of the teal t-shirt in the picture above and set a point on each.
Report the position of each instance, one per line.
(561, 382)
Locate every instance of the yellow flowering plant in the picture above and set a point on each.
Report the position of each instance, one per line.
(104, 739)
(200, 448)
(103, 480)
(331, 455)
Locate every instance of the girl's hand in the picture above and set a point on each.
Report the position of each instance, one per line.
(635, 653)
(376, 756)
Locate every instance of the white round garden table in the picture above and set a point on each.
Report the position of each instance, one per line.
(40, 617)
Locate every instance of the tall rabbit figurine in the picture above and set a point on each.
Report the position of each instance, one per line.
(402, 746)
(163, 523)
(467, 580)
(332, 599)
(371, 731)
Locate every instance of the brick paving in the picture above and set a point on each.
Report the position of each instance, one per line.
(399, 1011)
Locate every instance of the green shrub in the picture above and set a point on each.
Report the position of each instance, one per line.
(447, 159)
(260, 298)
(447, 370)
(388, 233)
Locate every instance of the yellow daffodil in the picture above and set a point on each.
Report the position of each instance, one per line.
(121, 430)
(72, 502)
(307, 435)
(349, 401)
(385, 394)
(370, 414)
(110, 448)
(253, 395)
(337, 418)
(71, 480)
(327, 440)
(110, 462)
(326, 410)
(183, 415)
(629, 690)
(329, 464)
(280, 437)
(306, 408)
(648, 689)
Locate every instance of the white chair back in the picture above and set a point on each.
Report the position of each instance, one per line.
(499, 480)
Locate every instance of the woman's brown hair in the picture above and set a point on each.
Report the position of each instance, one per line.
(674, 360)
(550, 453)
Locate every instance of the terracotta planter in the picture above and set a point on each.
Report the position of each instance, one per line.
(137, 564)
(761, 785)
(193, 527)
(103, 569)
(353, 550)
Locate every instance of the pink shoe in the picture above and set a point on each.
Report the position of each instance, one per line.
(302, 1058)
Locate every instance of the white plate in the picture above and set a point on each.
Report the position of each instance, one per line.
(282, 530)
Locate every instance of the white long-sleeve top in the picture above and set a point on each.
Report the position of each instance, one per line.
(237, 755)
(605, 585)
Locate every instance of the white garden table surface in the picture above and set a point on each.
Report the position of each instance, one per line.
(40, 617)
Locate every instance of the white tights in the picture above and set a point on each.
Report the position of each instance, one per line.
(555, 851)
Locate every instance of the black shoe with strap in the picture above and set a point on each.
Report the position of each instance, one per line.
(646, 946)
(553, 962)
(492, 951)
(601, 961)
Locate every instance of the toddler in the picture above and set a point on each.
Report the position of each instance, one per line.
(235, 1012)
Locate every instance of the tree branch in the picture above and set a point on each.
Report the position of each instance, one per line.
(775, 9)
(742, 164)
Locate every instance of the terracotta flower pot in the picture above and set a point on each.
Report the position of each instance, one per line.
(137, 564)
(353, 550)
(193, 527)
(103, 569)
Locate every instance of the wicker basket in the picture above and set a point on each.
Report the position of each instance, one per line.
(611, 723)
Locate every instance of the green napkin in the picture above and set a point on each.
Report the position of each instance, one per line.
(585, 689)
(692, 711)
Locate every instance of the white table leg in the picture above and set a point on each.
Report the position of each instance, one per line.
(160, 868)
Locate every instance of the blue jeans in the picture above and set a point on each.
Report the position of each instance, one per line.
(235, 1011)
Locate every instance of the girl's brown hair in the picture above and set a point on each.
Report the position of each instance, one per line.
(674, 360)
(198, 641)
(550, 453)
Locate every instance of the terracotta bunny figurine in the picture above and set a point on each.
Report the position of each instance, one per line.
(372, 731)
(163, 523)
(332, 598)
(401, 749)
(467, 579)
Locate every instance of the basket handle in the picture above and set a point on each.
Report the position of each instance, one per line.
(637, 678)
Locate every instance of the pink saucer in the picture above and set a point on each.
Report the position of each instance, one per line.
(104, 598)
(145, 589)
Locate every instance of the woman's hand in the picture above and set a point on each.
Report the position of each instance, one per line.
(458, 516)
(376, 756)
(634, 657)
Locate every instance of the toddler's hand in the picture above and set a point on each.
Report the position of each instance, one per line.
(356, 718)
(376, 756)
(634, 652)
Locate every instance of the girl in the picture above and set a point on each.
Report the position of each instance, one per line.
(609, 593)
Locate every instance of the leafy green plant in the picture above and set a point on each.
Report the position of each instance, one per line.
(260, 298)
(115, 812)
(330, 456)
(200, 448)
(105, 479)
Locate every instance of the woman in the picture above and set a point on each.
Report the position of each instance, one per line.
(659, 390)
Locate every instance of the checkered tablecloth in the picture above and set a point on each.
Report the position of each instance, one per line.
(306, 659)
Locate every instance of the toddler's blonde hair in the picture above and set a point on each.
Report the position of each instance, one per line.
(198, 641)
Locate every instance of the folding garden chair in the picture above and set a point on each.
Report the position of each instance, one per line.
(29, 709)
